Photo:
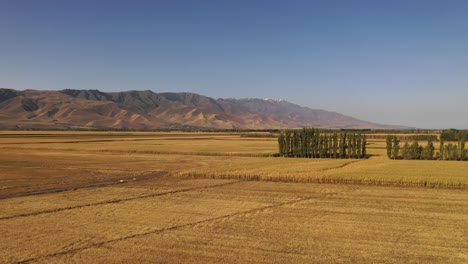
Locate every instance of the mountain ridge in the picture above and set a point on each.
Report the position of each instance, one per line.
(94, 109)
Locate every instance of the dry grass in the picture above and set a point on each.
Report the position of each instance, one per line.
(373, 171)
(62, 201)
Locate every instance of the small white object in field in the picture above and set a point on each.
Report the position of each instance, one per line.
(121, 181)
(134, 179)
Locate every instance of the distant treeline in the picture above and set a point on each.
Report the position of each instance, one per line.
(405, 137)
(414, 151)
(454, 135)
(313, 143)
(259, 135)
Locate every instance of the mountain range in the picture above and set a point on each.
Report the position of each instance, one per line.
(147, 110)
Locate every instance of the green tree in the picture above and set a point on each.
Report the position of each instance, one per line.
(296, 143)
(442, 150)
(431, 150)
(322, 146)
(315, 144)
(335, 145)
(389, 146)
(428, 151)
(461, 144)
(341, 147)
(449, 151)
(349, 145)
(415, 150)
(281, 144)
(364, 143)
(354, 152)
(396, 147)
(287, 143)
(455, 153)
(406, 151)
(359, 146)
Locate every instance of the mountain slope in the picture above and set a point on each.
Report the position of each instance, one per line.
(70, 109)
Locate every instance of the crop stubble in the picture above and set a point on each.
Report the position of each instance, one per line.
(62, 205)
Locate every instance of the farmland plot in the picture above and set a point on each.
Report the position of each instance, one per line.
(110, 201)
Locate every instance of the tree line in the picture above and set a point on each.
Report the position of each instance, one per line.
(312, 143)
(415, 151)
(452, 151)
(454, 135)
(419, 137)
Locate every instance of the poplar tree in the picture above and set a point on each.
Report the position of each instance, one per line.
(344, 145)
(441, 149)
(287, 144)
(340, 147)
(354, 145)
(406, 151)
(335, 145)
(396, 147)
(461, 143)
(323, 147)
(389, 146)
(309, 143)
(416, 150)
(295, 143)
(364, 143)
(454, 152)
(428, 151)
(431, 150)
(449, 153)
(358, 146)
(349, 145)
(281, 144)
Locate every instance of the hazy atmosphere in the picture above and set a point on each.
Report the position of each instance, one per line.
(393, 62)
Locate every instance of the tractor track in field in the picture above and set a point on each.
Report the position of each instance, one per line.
(181, 226)
(115, 201)
(87, 186)
(342, 165)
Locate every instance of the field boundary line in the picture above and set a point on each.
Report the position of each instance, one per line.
(324, 180)
(114, 201)
(95, 185)
(155, 152)
(342, 165)
(181, 226)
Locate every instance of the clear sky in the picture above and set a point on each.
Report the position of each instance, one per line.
(395, 62)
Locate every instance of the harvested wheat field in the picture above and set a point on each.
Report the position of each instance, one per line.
(153, 197)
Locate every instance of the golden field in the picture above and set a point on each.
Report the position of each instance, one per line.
(154, 197)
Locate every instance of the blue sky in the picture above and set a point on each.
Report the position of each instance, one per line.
(395, 62)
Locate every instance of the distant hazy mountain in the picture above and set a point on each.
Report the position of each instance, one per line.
(70, 109)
